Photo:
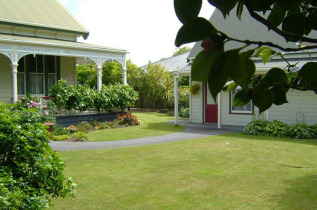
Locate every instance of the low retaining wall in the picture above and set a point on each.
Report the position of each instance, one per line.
(72, 119)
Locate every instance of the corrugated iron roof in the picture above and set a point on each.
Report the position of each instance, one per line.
(173, 63)
(57, 43)
(39, 13)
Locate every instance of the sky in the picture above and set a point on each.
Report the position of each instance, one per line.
(145, 28)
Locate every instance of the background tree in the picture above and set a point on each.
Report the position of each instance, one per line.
(291, 19)
(182, 50)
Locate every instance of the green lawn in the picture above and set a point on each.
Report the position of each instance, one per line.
(232, 171)
(152, 124)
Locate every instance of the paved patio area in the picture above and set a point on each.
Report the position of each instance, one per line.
(191, 131)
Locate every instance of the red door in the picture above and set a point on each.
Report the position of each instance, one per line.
(211, 108)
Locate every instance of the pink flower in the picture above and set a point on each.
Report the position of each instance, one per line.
(46, 112)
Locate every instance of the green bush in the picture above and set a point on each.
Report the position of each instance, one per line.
(277, 128)
(61, 137)
(81, 136)
(122, 96)
(103, 101)
(60, 130)
(184, 112)
(47, 112)
(302, 131)
(30, 171)
(84, 98)
(84, 127)
(256, 127)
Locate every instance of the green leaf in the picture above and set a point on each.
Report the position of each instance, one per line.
(268, 55)
(260, 50)
(187, 10)
(277, 15)
(219, 74)
(294, 23)
(240, 9)
(203, 63)
(279, 96)
(195, 30)
(276, 76)
(225, 6)
(244, 70)
(241, 98)
(309, 72)
(231, 85)
(287, 4)
(263, 99)
(260, 5)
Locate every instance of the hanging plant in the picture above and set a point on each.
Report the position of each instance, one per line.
(194, 89)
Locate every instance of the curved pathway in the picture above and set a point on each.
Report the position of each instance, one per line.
(191, 131)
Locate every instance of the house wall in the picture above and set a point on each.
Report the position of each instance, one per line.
(228, 118)
(196, 105)
(68, 70)
(300, 103)
(5, 79)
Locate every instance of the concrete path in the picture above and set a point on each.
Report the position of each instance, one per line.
(191, 131)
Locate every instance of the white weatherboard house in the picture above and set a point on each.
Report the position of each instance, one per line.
(38, 46)
(203, 109)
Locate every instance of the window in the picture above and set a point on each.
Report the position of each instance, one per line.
(246, 109)
(37, 74)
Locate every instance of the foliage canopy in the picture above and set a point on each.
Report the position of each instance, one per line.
(293, 20)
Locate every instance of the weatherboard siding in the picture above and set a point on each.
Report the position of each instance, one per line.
(196, 108)
(5, 79)
(232, 119)
(300, 103)
(68, 70)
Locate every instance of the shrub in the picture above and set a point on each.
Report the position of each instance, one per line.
(302, 131)
(276, 128)
(60, 130)
(122, 96)
(47, 112)
(256, 127)
(84, 127)
(183, 96)
(81, 136)
(61, 137)
(30, 171)
(84, 98)
(103, 100)
(60, 94)
(184, 112)
(127, 119)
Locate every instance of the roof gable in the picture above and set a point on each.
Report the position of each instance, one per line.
(48, 14)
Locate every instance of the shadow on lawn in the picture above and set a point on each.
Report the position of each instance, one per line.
(300, 193)
(270, 138)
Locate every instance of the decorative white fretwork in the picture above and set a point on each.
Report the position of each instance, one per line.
(98, 57)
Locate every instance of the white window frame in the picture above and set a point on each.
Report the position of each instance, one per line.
(44, 74)
(231, 97)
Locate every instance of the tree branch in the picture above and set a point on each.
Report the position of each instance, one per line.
(271, 44)
(287, 36)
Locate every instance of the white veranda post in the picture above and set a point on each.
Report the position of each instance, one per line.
(14, 82)
(176, 97)
(124, 73)
(99, 78)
